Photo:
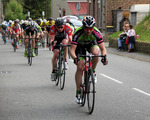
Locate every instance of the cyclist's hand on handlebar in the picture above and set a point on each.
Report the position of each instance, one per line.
(76, 60)
(104, 60)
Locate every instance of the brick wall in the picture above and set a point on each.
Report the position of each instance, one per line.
(124, 4)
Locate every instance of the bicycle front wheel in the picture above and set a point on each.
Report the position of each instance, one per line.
(62, 73)
(14, 45)
(30, 57)
(90, 92)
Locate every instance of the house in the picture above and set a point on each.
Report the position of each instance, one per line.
(61, 8)
(116, 12)
(1, 11)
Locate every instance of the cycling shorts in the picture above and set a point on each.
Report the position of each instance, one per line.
(81, 49)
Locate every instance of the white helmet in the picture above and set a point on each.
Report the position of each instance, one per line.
(44, 21)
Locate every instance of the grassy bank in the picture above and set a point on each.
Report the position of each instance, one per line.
(142, 29)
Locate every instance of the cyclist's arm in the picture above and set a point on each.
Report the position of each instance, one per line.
(102, 48)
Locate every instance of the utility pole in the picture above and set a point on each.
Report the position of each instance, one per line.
(104, 16)
(47, 8)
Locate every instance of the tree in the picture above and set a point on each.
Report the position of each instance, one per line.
(14, 10)
(35, 7)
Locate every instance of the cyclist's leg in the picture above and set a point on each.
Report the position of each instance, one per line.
(33, 42)
(65, 42)
(54, 59)
(95, 51)
(26, 40)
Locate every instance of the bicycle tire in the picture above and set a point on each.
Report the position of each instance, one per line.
(84, 89)
(57, 72)
(14, 45)
(62, 73)
(90, 91)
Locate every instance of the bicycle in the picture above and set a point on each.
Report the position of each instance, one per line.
(36, 47)
(60, 69)
(14, 42)
(29, 50)
(4, 36)
(88, 86)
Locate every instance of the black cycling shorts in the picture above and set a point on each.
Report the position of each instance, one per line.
(59, 40)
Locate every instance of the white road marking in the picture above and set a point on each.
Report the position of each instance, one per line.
(138, 90)
(112, 79)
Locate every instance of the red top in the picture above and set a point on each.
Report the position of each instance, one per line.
(67, 30)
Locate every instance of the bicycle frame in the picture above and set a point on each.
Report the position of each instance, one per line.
(87, 83)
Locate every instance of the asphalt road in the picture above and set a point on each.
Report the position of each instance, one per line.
(27, 93)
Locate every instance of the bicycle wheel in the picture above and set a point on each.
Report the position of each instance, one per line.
(83, 94)
(57, 74)
(62, 73)
(90, 91)
(14, 45)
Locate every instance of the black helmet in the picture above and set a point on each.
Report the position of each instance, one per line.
(59, 21)
(16, 21)
(88, 21)
(50, 18)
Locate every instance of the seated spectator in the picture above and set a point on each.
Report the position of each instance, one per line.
(131, 42)
(122, 38)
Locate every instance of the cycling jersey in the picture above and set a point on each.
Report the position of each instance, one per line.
(65, 32)
(4, 27)
(81, 38)
(59, 36)
(42, 26)
(48, 25)
(28, 30)
(15, 27)
(85, 43)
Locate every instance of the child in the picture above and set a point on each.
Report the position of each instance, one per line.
(131, 42)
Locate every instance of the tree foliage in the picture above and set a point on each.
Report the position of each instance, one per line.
(14, 10)
(34, 6)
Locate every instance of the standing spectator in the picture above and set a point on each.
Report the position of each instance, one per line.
(122, 38)
(131, 35)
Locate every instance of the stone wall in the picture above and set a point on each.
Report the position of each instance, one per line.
(143, 47)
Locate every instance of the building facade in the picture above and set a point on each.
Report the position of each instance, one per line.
(61, 8)
(118, 8)
(1, 11)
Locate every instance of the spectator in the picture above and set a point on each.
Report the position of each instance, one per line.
(122, 38)
(131, 41)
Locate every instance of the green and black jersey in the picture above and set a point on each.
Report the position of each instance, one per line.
(82, 39)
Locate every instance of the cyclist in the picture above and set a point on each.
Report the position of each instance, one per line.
(49, 23)
(15, 27)
(23, 26)
(86, 38)
(59, 33)
(31, 28)
(43, 26)
(4, 28)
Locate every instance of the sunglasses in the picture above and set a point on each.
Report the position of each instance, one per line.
(88, 28)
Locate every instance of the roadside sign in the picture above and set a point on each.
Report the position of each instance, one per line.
(78, 6)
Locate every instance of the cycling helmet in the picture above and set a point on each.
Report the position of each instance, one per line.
(44, 21)
(4, 23)
(59, 21)
(32, 24)
(30, 19)
(16, 21)
(10, 21)
(88, 21)
(50, 18)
